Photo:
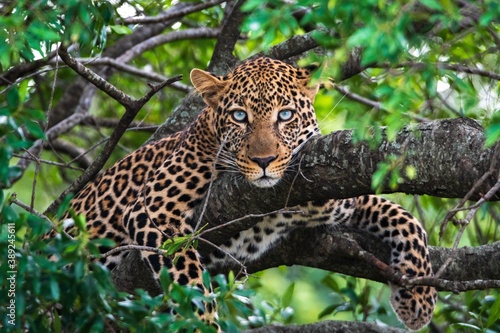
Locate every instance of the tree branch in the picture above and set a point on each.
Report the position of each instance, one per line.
(95, 79)
(191, 33)
(330, 164)
(335, 167)
(131, 111)
(328, 327)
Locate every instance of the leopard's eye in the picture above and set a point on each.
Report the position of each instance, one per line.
(239, 116)
(285, 115)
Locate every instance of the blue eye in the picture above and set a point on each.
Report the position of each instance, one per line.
(285, 115)
(239, 116)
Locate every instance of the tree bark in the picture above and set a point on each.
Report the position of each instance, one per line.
(448, 155)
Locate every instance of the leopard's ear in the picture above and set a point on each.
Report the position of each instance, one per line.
(208, 85)
(304, 75)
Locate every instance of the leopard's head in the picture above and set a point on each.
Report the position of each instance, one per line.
(263, 113)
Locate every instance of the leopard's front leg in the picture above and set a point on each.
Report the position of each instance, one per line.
(184, 266)
(386, 220)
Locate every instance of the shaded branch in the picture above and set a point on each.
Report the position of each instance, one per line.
(191, 33)
(173, 14)
(132, 70)
(442, 65)
(77, 154)
(334, 250)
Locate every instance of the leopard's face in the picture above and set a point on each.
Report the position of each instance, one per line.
(263, 114)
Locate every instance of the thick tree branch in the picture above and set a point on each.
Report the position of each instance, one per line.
(335, 167)
(334, 250)
(448, 156)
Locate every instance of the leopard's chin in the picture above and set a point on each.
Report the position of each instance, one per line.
(265, 181)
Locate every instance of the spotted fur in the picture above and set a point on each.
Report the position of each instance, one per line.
(257, 117)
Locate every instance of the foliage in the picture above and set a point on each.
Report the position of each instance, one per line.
(32, 30)
(75, 293)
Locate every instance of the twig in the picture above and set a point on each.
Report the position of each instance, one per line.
(454, 286)
(473, 190)
(299, 172)
(112, 123)
(33, 211)
(212, 179)
(131, 247)
(373, 104)
(472, 209)
(242, 266)
(28, 208)
(248, 216)
(192, 33)
(63, 165)
(358, 98)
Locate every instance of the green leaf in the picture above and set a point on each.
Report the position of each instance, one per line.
(230, 279)
(35, 129)
(172, 245)
(55, 292)
(492, 133)
(330, 309)
(121, 29)
(57, 322)
(13, 98)
(80, 222)
(2, 199)
(9, 214)
(464, 325)
(379, 175)
(165, 280)
(287, 296)
(494, 313)
(432, 4)
(330, 282)
(411, 172)
(206, 279)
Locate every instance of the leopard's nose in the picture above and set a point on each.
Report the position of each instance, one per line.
(263, 162)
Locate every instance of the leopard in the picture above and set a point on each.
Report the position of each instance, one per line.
(255, 121)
